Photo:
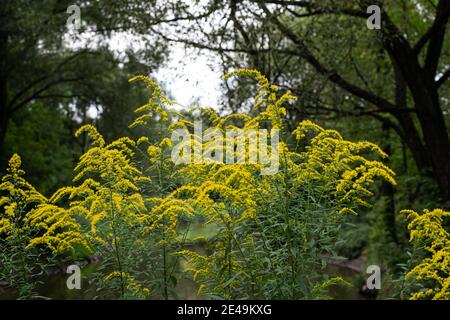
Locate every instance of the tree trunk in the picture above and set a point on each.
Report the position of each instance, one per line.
(411, 136)
(387, 190)
(434, 131)
(4, 114)
(4, 117)
(428, 110)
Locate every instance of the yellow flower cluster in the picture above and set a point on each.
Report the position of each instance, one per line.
(428, 231)
(60, 231)
(109, 188)
(266, 99)
(228, 194)
(338, 164)
(154, 106)
(136, 288)
(28, 215)
(138, 185)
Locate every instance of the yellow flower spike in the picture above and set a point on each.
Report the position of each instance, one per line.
(166, 143)
(153, 151)
(142, 140)
(427, 230)
(14, 165)
(92, 132)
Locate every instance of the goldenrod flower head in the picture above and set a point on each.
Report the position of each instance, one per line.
(153, 151)
(427, 231)
(92, 132)
(14, 165)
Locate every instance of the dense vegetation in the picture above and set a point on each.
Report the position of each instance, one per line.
(103, 188)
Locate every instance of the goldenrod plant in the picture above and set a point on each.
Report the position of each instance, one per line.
(274, 199)
(126, 229)
(274, 231)
(32, 231)
(431, 240)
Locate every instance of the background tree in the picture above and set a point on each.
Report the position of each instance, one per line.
(75, 74)
(323, 51)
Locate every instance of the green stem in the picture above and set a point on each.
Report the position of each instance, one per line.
(166, 295)
(116, 246)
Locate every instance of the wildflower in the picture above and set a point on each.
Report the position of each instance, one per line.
(427, 230)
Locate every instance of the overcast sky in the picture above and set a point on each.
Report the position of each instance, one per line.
(190, 78)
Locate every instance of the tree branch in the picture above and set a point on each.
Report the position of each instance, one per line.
(46, 76)
(37, 94)
(331, 74)
(437, 38)
(317, 9)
